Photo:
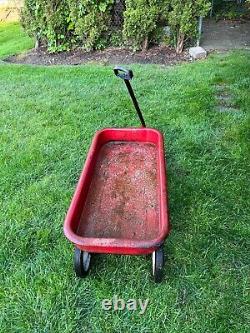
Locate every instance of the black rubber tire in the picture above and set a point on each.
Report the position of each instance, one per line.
(81, 262)
(157, 264)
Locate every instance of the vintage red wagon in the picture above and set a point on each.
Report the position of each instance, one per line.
(120, 202)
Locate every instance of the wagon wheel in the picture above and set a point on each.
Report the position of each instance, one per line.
(157, 264)
(81, 262)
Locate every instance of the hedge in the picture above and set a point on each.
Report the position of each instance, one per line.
(62, 25)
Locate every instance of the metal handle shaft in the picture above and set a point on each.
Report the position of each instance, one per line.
(136, 105)
(127, 75)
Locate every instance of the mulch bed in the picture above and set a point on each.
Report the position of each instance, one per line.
(155, 55)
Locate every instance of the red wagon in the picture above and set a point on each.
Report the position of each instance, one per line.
(120, 202)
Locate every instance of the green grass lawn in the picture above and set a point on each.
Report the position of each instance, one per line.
(13, 39)
(48, 118)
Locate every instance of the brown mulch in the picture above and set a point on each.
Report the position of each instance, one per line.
(155, 55)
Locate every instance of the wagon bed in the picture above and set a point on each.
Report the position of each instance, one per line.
(122, 199)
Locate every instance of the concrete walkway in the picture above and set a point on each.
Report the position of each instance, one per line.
(225, 35)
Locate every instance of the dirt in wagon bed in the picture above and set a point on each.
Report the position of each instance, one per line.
(155, 55)
(123, 200)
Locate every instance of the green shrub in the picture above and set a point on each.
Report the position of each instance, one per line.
(91, 22)
(143, 18)
(231, 10)
(32, 19)
(140, 22)
(63, 24)
(47, 21)
(181, 16)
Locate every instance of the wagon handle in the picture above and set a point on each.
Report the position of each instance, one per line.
(127, 75)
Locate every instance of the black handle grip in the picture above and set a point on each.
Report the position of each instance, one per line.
(125, 74)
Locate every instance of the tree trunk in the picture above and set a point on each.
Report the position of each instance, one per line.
(180, 43)
(145, 44)
(37, 43)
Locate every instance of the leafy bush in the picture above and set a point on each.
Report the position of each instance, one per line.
(57, 32)
(140, 21)
(231, 10)
(143, 17)
(91, 22)
(47, 21)
(181, 16)
(64, 24)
